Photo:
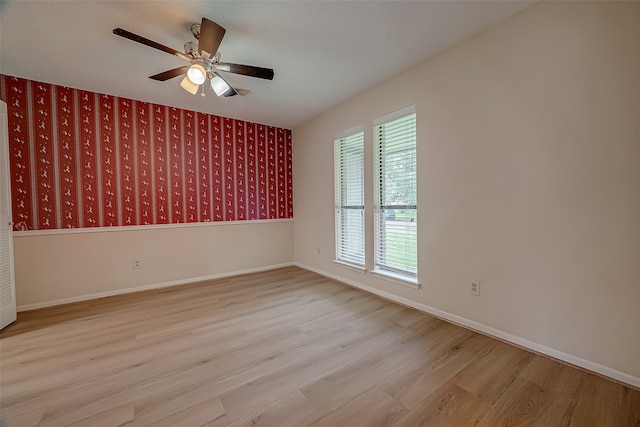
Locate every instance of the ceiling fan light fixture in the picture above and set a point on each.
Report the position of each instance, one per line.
(189, 86)
(197, 74)
(219, 85)
(203, 57)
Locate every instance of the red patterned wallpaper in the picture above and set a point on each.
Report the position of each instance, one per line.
(82, 159)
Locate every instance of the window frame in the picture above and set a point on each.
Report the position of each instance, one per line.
(392, 270)
(344, 255)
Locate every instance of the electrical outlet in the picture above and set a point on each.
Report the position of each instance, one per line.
(474, 289)
(137, 264)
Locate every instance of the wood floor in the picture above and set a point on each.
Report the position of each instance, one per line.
(285, 347)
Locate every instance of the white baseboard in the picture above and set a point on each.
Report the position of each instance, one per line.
(597, 368)
(87, 297)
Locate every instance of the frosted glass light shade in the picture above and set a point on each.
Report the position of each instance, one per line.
(197, 74)
(189, 86)
(219, 85)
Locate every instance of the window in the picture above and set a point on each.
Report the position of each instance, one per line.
(395, 199)
(349, 196)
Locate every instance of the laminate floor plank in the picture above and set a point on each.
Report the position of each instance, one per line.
(453, 350)
(292, 410)
(526, 404)
(318, 361)
(25, 419)
(338, 387)
(604, 403)
(285, 347)
(447, 406)
(119, 416)
(373, 407)
(209, 411)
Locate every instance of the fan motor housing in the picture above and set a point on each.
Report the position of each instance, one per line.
(191, 49)
(195, 30)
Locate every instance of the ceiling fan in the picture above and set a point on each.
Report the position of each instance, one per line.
(204, 58)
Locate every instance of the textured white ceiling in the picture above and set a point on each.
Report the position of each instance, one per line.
(323, 52)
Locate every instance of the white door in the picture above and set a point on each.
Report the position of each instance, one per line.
(7, 278)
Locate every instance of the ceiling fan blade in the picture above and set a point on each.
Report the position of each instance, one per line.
(246, 70)
(211, 35)
(166, 75)
(145, 41)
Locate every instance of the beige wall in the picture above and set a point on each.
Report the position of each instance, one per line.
(54, 267)
(529, 180)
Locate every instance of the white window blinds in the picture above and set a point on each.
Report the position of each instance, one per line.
(395, 195)
(349, 196)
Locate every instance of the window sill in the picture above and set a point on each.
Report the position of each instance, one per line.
(396, 278)
(354, 267)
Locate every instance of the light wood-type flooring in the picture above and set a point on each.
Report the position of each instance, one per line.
(284, 347)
